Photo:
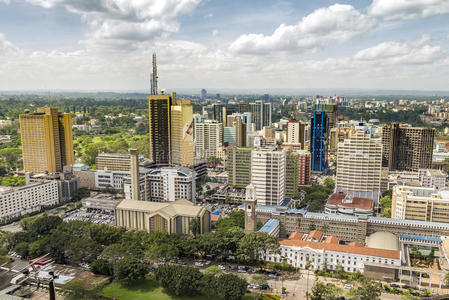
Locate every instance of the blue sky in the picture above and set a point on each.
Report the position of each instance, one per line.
(107, 44)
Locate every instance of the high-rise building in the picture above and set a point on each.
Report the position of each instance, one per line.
(171, 130)
(359, 165)
(47, 141)
(318, 141)
(240, 132)
(238, 166)
(297, 173)
(219, 111)
(407, 148)
(296, 133)
(113, 162)
(268, 175)
(229, 136)
(331, 112)
(261, 114)
(244, 107)
(203, 94)
(208, 138)
(159, 110)
(182, 145)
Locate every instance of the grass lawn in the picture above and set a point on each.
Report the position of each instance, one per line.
(148, 289)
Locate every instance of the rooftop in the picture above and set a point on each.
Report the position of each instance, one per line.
(180, 207)
(269, 226)
(341, 199)
(353, 249)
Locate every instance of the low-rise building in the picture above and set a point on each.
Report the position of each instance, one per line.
(432, 178)
(166, 184)
(113, 162)
(341, 203)
(299, 249)
(420, 203)
(174, 217)
(22, 200)
(67, 182)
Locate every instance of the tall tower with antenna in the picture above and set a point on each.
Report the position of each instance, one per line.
(153, 80)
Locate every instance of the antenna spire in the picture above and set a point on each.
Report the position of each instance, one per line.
(153, 80)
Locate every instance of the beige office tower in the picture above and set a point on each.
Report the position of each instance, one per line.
(47, 141)
(240, 132)
(113, 162)
(182, 145)
(359, 165)
(268, 175)
(208, 138)
(135, 174)
(296, 133)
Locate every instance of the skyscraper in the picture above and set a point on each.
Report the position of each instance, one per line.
(47, 141)
(208, 138)
(261, 114)
(182, 145)
(296, 133)
(331, 112)
(219, 110)
(240, 132)
(268, 175)
(170, 127)
(318, 141)
(359, 165)
(159, 112)
(407, 148)
(297, 173)
(238, 166)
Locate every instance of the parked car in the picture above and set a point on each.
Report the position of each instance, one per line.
(347, 286)
(199, 264)
(222, 267)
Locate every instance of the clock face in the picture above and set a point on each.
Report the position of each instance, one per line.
(249, 214)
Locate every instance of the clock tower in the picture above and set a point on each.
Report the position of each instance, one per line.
(250, 209)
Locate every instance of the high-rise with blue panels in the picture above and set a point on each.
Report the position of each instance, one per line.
(318, 140)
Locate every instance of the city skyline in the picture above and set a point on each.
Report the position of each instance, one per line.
(107, 45)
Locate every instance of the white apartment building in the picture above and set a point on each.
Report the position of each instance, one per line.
(268, 175)
(165, 184)
(17, 201)
(111, 179)
(432, 178)
(298, 249)
(359, 165)
(208, 138)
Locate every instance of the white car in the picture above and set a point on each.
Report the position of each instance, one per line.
(198, 264)
(347, 286)
(222, 267)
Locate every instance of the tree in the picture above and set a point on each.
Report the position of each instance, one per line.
(102, 267)
(329, 183)
(22, 249)
(312, 227)
(252, 245)
(179, 280)
(320, 291)
(212, 270)
(82, 289)
(44, 224)
(12, 181)
(231, 287)
(235, 219)
(80, 194)
(325, 228)
(385, 203)
(258, 279)
(368, 289)
(213, 161)
(208, 285)
(195, 226)
(129, 269)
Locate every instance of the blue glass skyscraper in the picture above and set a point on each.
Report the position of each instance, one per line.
(318, 141)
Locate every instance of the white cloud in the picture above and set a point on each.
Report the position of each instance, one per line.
(5, 1)
(6, 47)
(408, 9)
(332, 24)
(215, 32)
(115, 21)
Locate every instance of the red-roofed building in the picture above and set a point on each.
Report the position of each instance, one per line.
(295, 236)
(315, 236)
(351, 257)
(340, 203)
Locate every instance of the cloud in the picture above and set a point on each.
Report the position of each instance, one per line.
(408, 9)
(5, 1)
(6, 47)
(409, 53)
(215, 32)
(334, 23)
(116, 21)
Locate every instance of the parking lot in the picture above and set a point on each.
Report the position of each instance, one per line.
(91, 217)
